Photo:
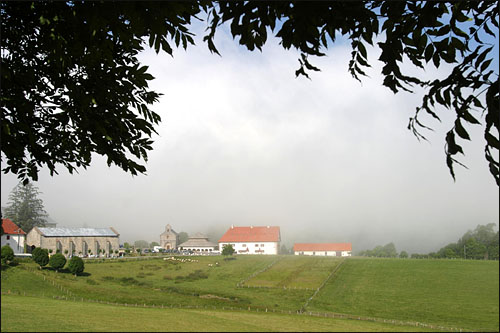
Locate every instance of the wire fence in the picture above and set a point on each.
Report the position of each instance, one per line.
(321, 286)
(246, 309)
(240, 284)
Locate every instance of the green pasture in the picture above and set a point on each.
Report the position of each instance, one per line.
(449, 293)
(48, 315)
(296, 272)
(452, 293)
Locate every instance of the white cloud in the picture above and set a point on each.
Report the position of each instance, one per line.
(243, 141)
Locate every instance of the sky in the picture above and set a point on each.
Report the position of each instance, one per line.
(244, 142)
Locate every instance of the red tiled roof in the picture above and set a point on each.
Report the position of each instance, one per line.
(322, 247)
(11, 228)
(251, 234)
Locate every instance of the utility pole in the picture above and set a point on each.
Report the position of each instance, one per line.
(465, 254)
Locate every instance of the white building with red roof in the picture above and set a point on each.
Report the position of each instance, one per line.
(323, 249)
(252, 240)
(13, 236)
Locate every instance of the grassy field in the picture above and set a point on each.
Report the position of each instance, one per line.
(453, 293)
(449, 293)
(70, 316)
(296, 272)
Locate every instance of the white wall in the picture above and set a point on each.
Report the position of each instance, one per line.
(13, 242)
(322, 253)
(253, 247)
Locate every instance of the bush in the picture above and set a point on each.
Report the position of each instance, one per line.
(57, 261)
(76, 265)
(228, 250)
(40, 256)
(7, 254)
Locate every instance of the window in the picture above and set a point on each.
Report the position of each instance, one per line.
(261, 245)
(8, 236)
(256, 245)
(314, 253)
(244, 245)
(326, 253)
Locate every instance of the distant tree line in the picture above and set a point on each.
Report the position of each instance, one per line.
(386, 251)
(480, 243)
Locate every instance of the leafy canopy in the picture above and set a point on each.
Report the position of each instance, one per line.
(25, 208)
(76, 265)
(72, 84)
(40, 256)
(227, 250)
(57, 261)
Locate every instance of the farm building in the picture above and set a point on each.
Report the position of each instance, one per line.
(13, 236)
(198, 243)
(323, 249)
(169, 239)
(77, 241)
(252, 240)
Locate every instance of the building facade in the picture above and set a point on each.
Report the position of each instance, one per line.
(252, 240)
(323, 249)
(198, 243)
(78, 241)
(169, 239)
(13, 236)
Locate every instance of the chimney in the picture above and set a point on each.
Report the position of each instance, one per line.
(267, 227)
(251, 227)
(232, 226)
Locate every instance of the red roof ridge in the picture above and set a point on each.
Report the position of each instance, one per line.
(11, 228)
(252, 234)
(322, 247)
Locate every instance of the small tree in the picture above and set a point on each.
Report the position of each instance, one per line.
(50, 251)
(116, 252)
(66, 252)
(57, 261)
(227, 250)
(403, 254)
(138, 251)
(7, 254)
(76, 265)
(40, 256)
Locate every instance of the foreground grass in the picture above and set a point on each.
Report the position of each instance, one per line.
(449, 293)
(453, 293)
(69, 316)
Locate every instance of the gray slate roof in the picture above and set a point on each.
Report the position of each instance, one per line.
(198, 242)
(78, 232)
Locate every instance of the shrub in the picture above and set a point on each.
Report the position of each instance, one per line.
(7, 254)
(228, 250)
(40, 256)
(57, 261)
(76, 265)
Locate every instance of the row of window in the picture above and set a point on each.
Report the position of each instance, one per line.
(256, 245)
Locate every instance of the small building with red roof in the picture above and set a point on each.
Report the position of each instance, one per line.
(252, 240)
(323, 249)
(13, 236)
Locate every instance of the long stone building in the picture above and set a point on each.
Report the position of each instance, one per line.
(78, 241)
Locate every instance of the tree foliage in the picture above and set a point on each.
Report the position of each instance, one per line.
(183, 237)
(25, 208)
(40, 256)
(7, 254)
(142, 244)
(72, 84)
(480, 243)
(386, 251)
(76, 265)
(57, 261)
(228, 250)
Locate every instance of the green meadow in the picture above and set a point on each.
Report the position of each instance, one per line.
(255, 293)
